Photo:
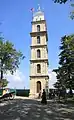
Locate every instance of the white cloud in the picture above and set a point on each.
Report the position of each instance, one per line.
(52, 78)
(17, 80)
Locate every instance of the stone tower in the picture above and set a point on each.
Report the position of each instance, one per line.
(39, 55)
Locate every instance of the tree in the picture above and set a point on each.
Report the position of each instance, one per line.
(65, 73)
(72, 13)
(3, 83)
(64, 1)
(60, 82)
(10, 58)
(60, 1)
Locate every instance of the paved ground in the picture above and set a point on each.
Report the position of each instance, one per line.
(28, 109)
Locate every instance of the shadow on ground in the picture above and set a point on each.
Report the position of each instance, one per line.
(33, 110)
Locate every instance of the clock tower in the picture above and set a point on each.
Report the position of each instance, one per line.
(39, 55)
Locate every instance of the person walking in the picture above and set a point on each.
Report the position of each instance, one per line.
(44, 101)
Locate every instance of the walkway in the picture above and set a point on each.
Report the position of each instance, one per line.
(28, 109)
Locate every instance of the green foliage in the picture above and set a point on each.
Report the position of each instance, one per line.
(64, 1)
(22, 92)
(72, 13)
(65, 73)
(60, 1)
(10, 58)
(3, 83)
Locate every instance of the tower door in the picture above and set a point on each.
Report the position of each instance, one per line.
(38, 86)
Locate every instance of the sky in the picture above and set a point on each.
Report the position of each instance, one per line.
(16, 17)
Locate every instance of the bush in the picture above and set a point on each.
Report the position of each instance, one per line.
(24, 92)
(1, 92)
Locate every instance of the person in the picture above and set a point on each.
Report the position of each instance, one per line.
(53, 94)
(44, 101)
(4, 92)
(39, 94)
(7, 90)
(49, 95)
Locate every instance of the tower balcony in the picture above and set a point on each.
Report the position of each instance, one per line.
(39, 76)
(37, 46)
(39, 33)
(39, 60)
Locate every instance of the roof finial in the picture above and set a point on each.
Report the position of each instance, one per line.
(39, 7)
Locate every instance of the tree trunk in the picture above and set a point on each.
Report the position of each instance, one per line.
(1, 74)
(1, 77)
(1, 69)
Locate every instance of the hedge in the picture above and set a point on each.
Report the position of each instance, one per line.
(22, 92)
(19, 92)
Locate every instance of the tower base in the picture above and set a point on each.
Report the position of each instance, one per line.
(34, 96)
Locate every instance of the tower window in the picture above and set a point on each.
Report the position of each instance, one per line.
(38, 68)
(38, 86)
(38, 28)
(38, 54)
(38, 39)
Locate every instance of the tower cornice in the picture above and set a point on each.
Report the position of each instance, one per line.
(39, 60)
(38, 46)
(38, 76)
(39, 33)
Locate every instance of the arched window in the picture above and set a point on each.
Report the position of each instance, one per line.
(38, 39)
(38, 28)
(38, 86)
(38, 54)
(38, 68)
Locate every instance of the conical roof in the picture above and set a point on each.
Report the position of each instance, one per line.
(38, 13)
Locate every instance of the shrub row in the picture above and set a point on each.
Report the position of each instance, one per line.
(24, 92)
(19, 92)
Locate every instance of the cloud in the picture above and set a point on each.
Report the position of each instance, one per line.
(17, 80)
(52, 78)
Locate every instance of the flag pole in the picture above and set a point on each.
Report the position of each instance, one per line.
(32, 10)
(32, 15)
